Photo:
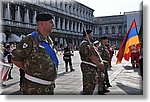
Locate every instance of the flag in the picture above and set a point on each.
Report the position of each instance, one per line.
(4, 71)
(130, 39)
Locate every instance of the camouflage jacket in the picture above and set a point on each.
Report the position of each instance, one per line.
(105, 53)
(37, 62)
(84, 51)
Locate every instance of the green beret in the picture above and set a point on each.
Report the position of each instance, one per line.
(44, 17)
(104, 38)
(87, 31)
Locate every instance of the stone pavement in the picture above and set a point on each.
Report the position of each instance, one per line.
(124, 79)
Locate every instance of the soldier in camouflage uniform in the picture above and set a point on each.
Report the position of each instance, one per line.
(100, 73)
(30, 55)
(105, 56)
(89, 64)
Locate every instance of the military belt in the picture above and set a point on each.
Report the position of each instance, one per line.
(37, 80)
(89, 63)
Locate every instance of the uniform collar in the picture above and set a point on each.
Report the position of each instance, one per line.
(87, 41)
(41, 38)
(103, 46)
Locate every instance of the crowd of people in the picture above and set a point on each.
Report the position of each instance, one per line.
(6, 61)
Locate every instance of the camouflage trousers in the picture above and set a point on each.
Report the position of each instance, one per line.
(31, 88)
(101, 84)
(88, 75)
(106, 78)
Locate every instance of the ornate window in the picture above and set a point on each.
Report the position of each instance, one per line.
(125, 29)
(120, 30)
(113, 30)
(106, 30)
(100, 31)
(66, 7)
(61, 6)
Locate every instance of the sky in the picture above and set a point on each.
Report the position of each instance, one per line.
(111, 7)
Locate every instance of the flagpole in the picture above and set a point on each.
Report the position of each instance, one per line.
(84, 29)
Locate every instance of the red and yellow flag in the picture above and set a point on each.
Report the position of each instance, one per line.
(130, 39)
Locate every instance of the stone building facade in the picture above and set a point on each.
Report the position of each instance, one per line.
(70, 17)
(114, 27)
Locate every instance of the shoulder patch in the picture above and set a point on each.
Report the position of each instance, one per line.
(25, 45)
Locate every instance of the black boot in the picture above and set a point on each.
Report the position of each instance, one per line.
(9, 75)
(108, 85)
(71, 69)
(105, 90)
(66, 69)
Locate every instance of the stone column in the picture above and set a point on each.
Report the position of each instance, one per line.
(26, 16)
(34, 17)
(78, 27)
(103, 30)
(71, 9)
(73, 42)
(116, 29)
(63, 6)
(71, 25)
(58, 25)
(54, 22)
(84, 14)
(81, 13)
(52, 3)
(89, 16)
(8, 11)
(67, 8)
(75, 11)
(68, 25)
(18, 14)
(75, 28)
(63, 27)
(109, 30)
(82, 29)
(58, 4)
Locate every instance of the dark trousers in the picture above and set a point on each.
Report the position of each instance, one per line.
(106, 76)
(22, 75)
(9, 57)
(70, 63)
(141, 67)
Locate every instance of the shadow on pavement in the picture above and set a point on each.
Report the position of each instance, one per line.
(128, 67)
(130, 90)
(134, 69)
(12, 84)
(17, 93)
(62, 74)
